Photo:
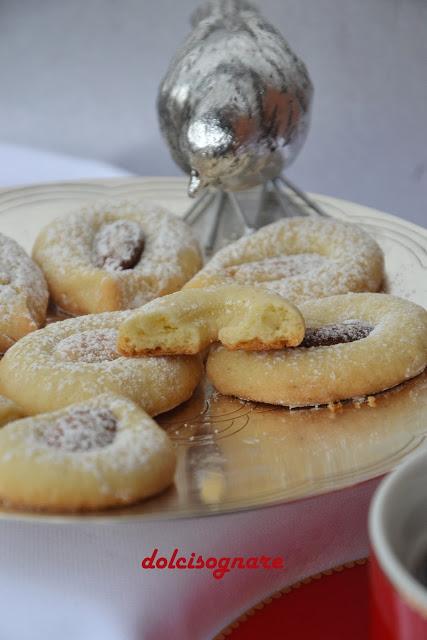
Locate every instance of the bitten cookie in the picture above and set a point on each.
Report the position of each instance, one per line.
(355, 344)
(299, 258)
(189, 321)
(23, 294)
(115, 256)
(100, 453)
(76, 359)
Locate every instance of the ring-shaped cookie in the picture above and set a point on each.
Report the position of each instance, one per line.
(23, 294)
(100, 453)
(370, 342)
(110, 257)
(74, 360)
(189, 321)
(299, 258)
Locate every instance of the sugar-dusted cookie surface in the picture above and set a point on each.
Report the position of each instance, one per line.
(23, 293)
(111, 256)
(299, 258)
(355, 344)
(188, 321)
(76, 359)
(96, 454)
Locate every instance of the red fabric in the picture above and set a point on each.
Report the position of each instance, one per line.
(334, 607)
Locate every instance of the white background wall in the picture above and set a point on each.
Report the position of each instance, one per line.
(81, 76)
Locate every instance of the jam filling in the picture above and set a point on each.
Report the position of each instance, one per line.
(330, 334)
(82, 430)
(118, 245)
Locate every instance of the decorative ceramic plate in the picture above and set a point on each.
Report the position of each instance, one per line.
(235, 455)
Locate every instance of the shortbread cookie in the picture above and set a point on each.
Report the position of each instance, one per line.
(299, 258)
(355, 344)
(23, 294)
(76, 359)
(189, 321)
(9, 411)
(115, 256)
(100, 453)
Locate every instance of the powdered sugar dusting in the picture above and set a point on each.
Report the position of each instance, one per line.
(96, 437)
(394, 350)
(301, 259)
(81, 429)
(52, 368)
(23, 289)
(277, 268)
(169, 258)
(96, 345)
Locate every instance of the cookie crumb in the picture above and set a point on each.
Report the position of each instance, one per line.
(335, 407)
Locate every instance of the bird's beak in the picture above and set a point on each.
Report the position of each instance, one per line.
(196, 184)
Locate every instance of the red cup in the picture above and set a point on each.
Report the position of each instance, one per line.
(398, 535)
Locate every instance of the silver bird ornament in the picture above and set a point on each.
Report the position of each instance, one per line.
(234, 105)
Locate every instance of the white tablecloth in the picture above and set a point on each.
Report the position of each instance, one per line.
(84, 582)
